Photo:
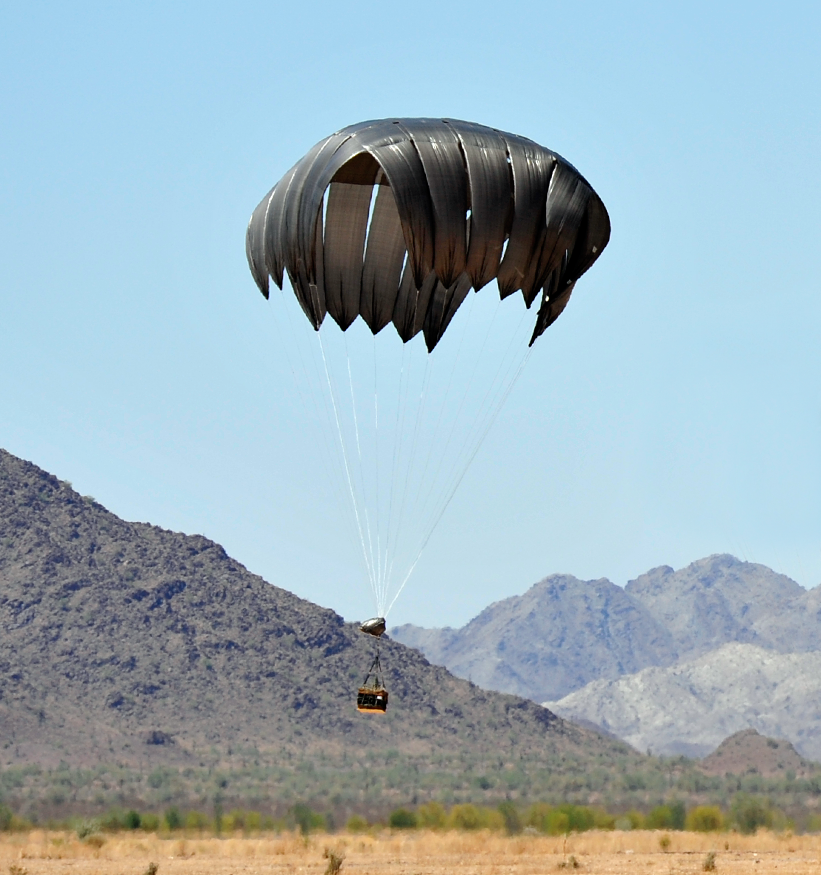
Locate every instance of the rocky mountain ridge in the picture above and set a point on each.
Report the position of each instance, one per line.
(690, 707)
(564, 633)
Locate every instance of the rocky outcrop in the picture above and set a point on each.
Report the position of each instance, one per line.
(564, 633)
(688, 708)
(720, 599)
(558, 636)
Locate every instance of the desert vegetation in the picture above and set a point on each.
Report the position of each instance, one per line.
(746, 815)
(669, 793)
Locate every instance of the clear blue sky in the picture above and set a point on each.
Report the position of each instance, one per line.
(672, 412)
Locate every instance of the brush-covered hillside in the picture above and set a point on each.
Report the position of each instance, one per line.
(156, 653)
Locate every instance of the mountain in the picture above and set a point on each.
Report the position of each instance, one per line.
(564, 633)
(750, 752)
(720, 599)
(129, 645)
(688, 708)
(558, 636)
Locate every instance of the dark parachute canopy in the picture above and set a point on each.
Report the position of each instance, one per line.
(395, 221)
(456, 205)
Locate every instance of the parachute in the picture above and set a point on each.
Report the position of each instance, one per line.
(393, 222)
(457, 205)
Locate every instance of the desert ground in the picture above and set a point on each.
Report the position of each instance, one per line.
(411, 853)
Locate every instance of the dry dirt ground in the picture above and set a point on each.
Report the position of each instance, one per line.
(412, 853)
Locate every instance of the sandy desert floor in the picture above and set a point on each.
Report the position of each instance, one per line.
(411, 853)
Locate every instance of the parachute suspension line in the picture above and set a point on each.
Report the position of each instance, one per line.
(504, 388)
(468, 386)
(420, 411)
(469, 383)
(397, 449)
(399, 446)
(434, 442)
(473, 445)
(347, 467)
(362, 476)
(380, 600)
(458, 482)
(323, 414)
(483, 422)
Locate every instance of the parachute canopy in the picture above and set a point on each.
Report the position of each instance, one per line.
(396, 220)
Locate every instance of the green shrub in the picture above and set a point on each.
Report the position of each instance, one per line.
(112, 821)
(569, 818)
(510, 814)
(432, 815)
(466, 817)
(173, 818)
(636, 819)
(149, 822)
(557, 823)
(132, 820)
(749, 813)
(705, 818)
(357, 823)
(5, 818)
(813, 823)
(401, 818)
(661, 817)
(196, 820)
(87, 828)
(603, 820)
(536, 816)
(306, 819)
(237, 819)
(679, 814)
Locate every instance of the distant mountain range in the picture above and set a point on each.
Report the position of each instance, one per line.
(635, 646)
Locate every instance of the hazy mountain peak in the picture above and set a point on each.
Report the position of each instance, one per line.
(714, 600)
(560, 634)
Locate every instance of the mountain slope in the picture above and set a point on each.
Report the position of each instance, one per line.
(691, 706)
(128, 644)
(558, 636)
(564, 633)
(720, 599)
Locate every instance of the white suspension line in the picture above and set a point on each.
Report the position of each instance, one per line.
(483, 421)
(305, 390)
(433, 442)
(376, 454)
(361, 467)
(468, 384)
(347, 468)
(409, 466)
(456, 485)
(397, 444)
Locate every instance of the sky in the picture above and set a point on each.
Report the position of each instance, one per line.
(674, 411)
